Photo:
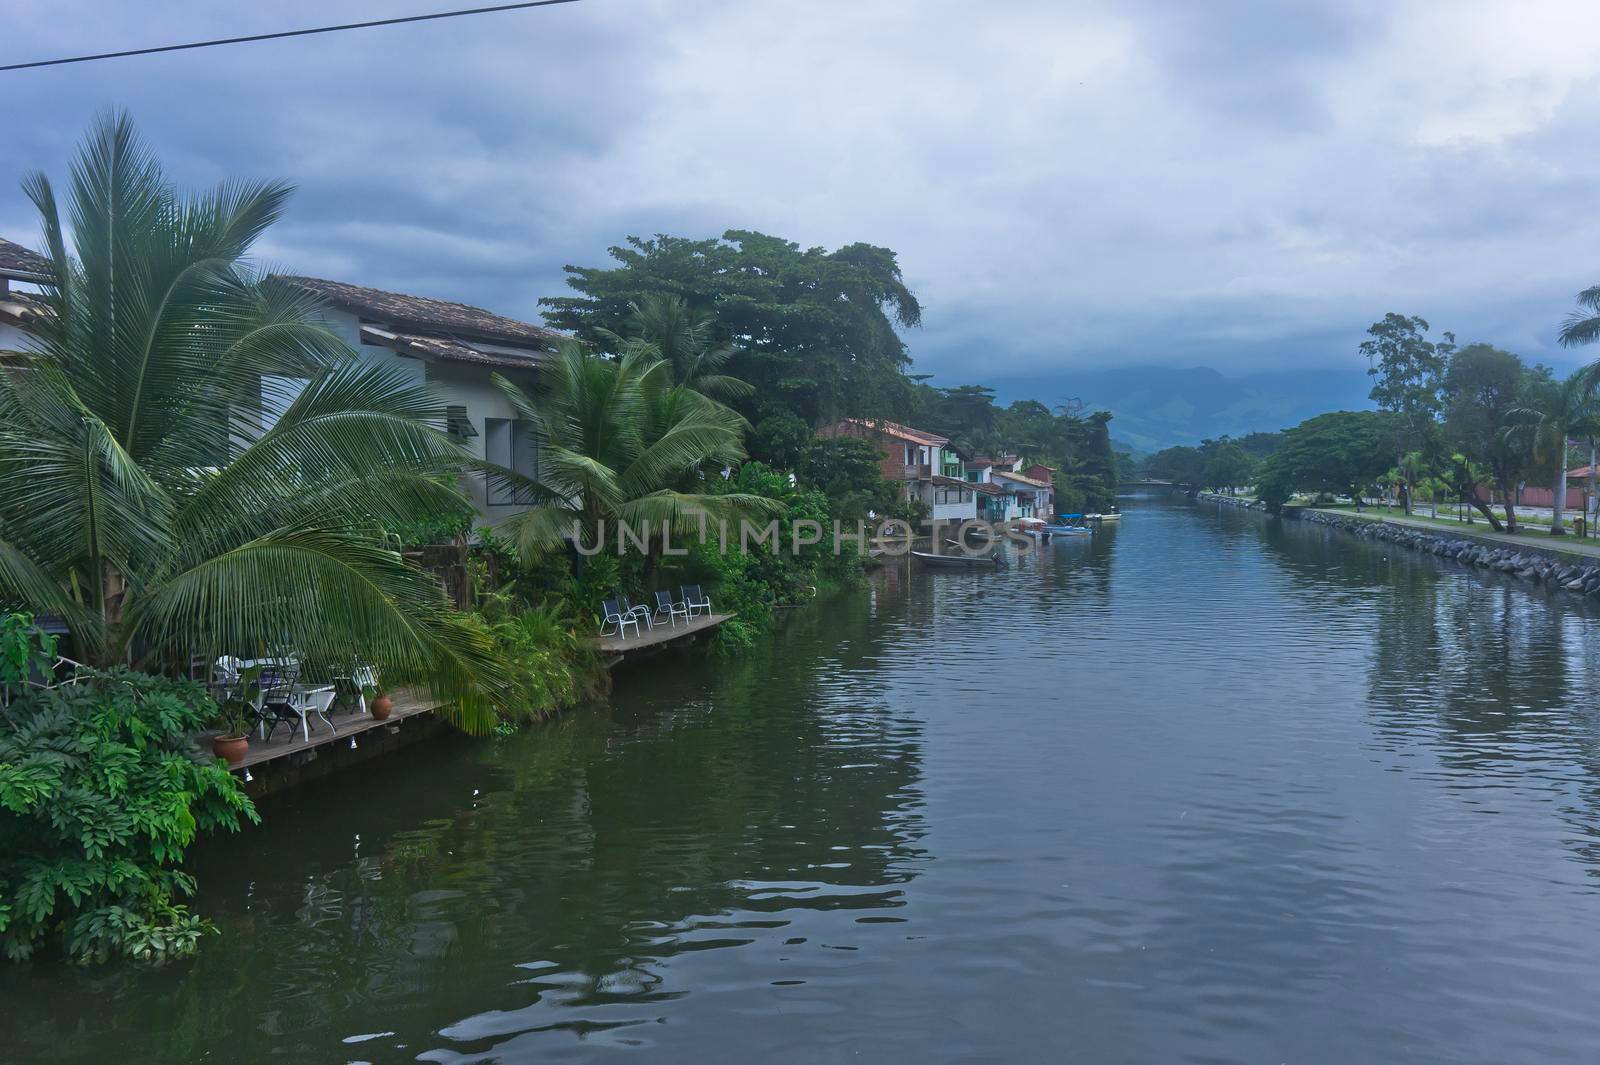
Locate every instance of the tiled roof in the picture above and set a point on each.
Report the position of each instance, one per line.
(446, 349)
(1012, 475)
(949, 482)
(895, 429)
(989, 488)
(22, 263)
(19, 308)
(425, 315)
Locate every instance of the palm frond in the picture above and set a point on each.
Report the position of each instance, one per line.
(324, 594)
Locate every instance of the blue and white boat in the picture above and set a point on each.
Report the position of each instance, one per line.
(1068, 524)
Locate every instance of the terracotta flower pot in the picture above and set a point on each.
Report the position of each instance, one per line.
(231, 748)
(382, 707)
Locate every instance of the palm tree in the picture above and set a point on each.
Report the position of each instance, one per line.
(1559, 411)
(666, 328)
(149, 496)
(1583, 327)
(620, 445)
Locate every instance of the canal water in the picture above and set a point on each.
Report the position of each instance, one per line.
(1204, 788)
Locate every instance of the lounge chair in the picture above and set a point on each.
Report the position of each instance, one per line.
(618, 619)
(694, 600)
(674, 610)
(642, 612)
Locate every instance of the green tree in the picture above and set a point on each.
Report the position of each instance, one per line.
(1583, 327)
(813, 329)
(1180, 464)
(1259, 445)
(1482, 386)
(1228, 467)
(1339, 452)
(667, 328)
(780, 437)
(147, 496)
(847, 470)
(101, 793)
(1554, 413)
(1409, 370)
(621, 444)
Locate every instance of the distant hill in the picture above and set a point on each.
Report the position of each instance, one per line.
(1157, 406)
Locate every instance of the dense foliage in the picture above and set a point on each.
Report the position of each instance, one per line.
(770, 572)
(1342, 452)
(813, 329)
(813, 334)
(148, 496)
(623, 444)
(101, 792)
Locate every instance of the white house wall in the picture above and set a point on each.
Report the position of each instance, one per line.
(454, 385)
(12, 339)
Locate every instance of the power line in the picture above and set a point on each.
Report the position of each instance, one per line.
(283, 34)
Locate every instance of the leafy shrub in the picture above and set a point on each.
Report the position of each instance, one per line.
(751, 583)
(101, 792)
(24, 649)
(546, 655)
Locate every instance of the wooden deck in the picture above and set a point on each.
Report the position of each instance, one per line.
(658, 637)
(345, 726)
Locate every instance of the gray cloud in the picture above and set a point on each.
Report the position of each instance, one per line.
(1068, 185)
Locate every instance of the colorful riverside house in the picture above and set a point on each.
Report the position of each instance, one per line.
(454, 349)
(1035, 498)
(918, 461)
(1009, 495)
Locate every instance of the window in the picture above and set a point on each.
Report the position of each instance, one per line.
(923, 455)
(458, 425)
(514, 445)
(908, 455)
(951, 494)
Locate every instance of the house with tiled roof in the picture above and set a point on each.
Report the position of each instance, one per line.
(1017, 494)
(1035, 498)
(17, 306)
(924, 464)
(454, 349)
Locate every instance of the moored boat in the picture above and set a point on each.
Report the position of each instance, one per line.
(934, 561)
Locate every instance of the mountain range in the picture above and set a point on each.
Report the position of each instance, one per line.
(1154, 407)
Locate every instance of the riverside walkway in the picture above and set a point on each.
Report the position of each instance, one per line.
(1537, 539)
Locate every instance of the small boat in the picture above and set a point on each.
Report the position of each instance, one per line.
(1067, 530)
(1034, 527)
(933, 561)
(1114, 515)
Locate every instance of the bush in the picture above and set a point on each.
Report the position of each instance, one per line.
(101, 792)
(750, 584)
(551, 664)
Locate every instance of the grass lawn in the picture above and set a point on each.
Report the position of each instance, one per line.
(1531, 535)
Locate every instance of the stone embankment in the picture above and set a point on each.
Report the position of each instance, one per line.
(1579, 576)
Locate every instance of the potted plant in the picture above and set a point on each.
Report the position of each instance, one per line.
(233, 717)
(379, 702)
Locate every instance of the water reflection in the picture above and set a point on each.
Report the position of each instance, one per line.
(554, 882)
(1203, 788)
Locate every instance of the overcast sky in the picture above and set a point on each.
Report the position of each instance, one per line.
(1067, 184)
